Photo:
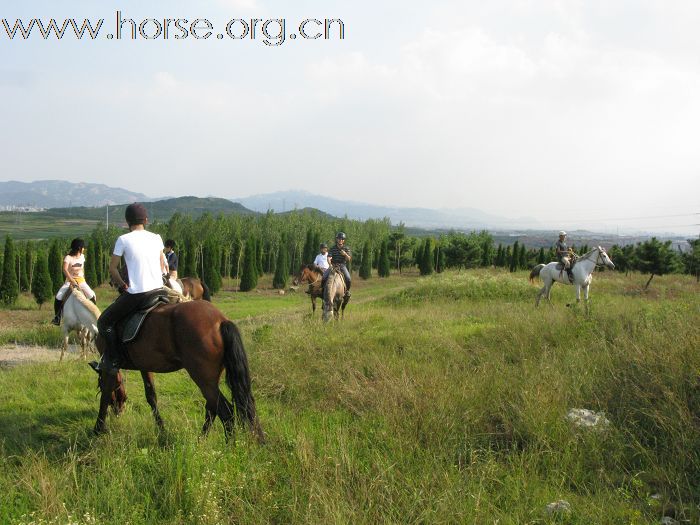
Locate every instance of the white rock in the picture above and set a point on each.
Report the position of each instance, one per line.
(582, 417)
(281, 292)
(558, 507)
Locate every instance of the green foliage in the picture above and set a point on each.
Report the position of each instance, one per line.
(56, 256)
(310, 249)
(9, 287)
(282, 266)
(541, 258)
(383, 268)
(90, 271)
(249, 278)
(366, 264)
(465, 250)
(259, 256)
(42, 287)
(210, 267)
(655, 258)
(23, 270)
(691, 260)
(426, 264)
(514, 257)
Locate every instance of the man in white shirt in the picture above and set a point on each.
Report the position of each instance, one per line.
(145, 261)
(321, 259)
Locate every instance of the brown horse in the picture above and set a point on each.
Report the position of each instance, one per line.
(195, 289)
(334, 298)
(195, 336)
(311, 274)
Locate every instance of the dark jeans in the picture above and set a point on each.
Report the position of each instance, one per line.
(123, 305)
(344, 270)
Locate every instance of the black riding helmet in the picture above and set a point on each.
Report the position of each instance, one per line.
(323, 245)
(340, 235)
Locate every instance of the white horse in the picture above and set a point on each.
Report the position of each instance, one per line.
(582, 273)
(80, 315)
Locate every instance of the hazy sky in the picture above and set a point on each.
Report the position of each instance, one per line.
(562, 111)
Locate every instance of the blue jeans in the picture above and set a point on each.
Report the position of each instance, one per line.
(346, 274)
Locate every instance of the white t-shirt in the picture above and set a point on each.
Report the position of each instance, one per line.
(76, 265)
(321, 261)
(141, 250)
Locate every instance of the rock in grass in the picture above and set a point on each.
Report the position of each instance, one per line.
(668, 520)
(584, 418)
(559, 507)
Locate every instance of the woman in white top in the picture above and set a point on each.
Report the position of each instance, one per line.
(74, 270)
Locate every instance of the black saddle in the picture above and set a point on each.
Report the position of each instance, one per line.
(129, 328)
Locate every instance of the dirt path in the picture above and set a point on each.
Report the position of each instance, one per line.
(13, 355)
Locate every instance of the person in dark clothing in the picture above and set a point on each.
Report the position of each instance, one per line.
(563, 254)
(143, 253)
(339, 255)
(172, 260)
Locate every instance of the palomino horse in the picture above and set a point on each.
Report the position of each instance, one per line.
(79, 315)
(195, 289)
(196, 336)
(334, 300)
(313, 275)
(582, 273)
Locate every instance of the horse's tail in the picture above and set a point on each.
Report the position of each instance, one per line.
(536, 272)
(205, 294)
(238, 376)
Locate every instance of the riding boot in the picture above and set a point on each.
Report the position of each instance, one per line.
(347, 290)
(110, 358)
(570, 274)
(57, 310)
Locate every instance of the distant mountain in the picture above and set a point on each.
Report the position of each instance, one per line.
(468, 218)
(58, 193)
(160, 210)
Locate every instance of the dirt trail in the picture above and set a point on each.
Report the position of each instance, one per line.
(13, 355)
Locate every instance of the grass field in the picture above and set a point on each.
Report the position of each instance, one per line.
(437, 400)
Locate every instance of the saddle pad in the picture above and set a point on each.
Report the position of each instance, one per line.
(132, 324)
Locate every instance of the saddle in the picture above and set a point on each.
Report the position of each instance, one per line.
(129, 327)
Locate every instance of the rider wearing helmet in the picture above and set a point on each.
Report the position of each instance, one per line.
(143, 253)
(563, 254)
(339, 255)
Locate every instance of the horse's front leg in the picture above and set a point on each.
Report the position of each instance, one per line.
(585, 295)
(578, 293)
(149, 386)
(313, 305)
(64, 346)
(108, 383)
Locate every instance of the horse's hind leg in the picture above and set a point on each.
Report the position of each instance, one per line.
(150, 389)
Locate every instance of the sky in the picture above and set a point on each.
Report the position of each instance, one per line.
(573, 113)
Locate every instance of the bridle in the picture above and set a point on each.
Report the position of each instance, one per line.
(598, 259)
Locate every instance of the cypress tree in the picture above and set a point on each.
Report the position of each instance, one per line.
(56, 265)
(366, 267)
(540, 257)
(428, 266)
(259, 257)
(499, 256)
(9, 288)
(522, 258)
(98, 255)
(90, 273)
(282, 265)
(42, 287)
(22, 272)
(249, 279)
(442, 260)
(309, 248)
(210, 273)
(29, 263)
(513, 263)
(383, 266)
(316, 245)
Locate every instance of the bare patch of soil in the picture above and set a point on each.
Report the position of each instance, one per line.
(13, 355)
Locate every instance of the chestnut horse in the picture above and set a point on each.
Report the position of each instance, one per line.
(196, 336)
(195, 289)
(311, 274)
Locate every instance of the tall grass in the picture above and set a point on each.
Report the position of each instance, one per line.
(438, 400)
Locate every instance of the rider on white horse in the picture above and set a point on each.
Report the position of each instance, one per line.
(563, 254)
(74, 270)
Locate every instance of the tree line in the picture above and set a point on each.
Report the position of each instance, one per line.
(247, 247)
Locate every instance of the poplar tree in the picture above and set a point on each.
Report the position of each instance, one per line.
(42, 287)
(9, 287)
(90, 272)
(249, 277)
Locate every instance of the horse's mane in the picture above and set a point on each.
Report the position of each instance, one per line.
(92, 307)
(314, 268)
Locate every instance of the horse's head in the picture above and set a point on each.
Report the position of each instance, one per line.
(308, 273)
(605, 258)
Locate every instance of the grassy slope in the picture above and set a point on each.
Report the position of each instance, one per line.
(437, 400)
